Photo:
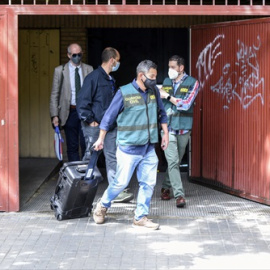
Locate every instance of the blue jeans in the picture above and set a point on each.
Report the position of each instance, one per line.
(91, 135)
(74, 136)
(146, 169)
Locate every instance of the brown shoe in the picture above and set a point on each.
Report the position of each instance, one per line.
(144, 222)
(99, 213)
(165, 194)
(180, 202)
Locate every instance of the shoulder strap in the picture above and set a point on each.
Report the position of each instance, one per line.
(61, 83)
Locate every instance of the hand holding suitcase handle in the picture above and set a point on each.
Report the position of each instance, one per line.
(90, 169)
(98, 145)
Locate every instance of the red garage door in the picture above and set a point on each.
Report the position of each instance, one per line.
(231, 135)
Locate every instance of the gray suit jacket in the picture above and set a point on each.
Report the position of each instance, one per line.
(60, 103)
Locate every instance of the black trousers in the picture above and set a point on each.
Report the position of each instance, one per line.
(74, 136)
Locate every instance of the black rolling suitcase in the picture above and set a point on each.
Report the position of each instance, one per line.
(76, 189)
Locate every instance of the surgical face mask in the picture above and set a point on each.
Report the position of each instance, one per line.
(150, 83)
(116, 67)
(173, 74)
(76, 58)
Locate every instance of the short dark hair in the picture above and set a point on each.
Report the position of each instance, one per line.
(145, 66)
(180, 60)
(108, 53)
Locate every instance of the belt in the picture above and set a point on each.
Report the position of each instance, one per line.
(73, 107)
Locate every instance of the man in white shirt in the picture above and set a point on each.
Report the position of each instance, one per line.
(67, 81)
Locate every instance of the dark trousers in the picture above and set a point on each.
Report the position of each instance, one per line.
(91, 135)
(74, 136)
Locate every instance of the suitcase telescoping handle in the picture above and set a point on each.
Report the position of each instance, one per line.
(91, 166)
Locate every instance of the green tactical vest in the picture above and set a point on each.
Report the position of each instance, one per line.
(179, 119)
(137, 123)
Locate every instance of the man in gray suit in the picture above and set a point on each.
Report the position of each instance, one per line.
(67, 81)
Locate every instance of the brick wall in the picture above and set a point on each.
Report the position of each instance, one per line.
(72, 35)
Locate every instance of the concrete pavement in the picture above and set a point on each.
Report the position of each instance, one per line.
(214, 231)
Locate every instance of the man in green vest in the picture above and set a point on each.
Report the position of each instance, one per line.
(136, 107)
(178, 94)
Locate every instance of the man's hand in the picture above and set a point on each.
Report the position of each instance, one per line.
(163, 93)
(173, 100)
(98, 145)
(165, 141)
(93, 124)
(55, 121)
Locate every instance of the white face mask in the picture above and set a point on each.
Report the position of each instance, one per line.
(173, 74)
(115, 68)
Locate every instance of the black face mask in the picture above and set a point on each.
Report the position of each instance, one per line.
(150, 83)
(76, 59)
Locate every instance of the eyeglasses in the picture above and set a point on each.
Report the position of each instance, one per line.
(76, 54)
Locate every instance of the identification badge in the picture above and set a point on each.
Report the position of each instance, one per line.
(184, 90)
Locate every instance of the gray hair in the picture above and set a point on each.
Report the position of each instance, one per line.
(145, 66)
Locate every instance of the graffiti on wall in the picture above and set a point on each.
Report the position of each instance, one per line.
(207, 59)
(240, 80)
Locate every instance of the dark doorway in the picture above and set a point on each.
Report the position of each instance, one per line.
(135, 45)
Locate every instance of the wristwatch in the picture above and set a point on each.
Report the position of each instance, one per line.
(168, 97)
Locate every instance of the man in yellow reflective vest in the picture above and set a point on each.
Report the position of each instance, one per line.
(135, 107)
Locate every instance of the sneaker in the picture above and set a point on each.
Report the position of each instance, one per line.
(144, 222)
(123, 197)
(99, 213)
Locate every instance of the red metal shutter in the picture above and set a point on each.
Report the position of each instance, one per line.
(231, 134)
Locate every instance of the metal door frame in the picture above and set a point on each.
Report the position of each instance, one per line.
(9, 144)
